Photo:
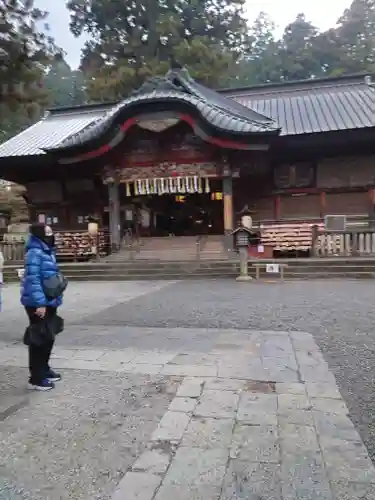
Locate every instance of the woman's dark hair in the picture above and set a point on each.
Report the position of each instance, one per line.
(38, 230)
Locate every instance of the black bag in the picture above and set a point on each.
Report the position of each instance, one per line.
(54, 286)
(43, 332)
(56, 324)
(39, 334)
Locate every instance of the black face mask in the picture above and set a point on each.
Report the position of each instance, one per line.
(39, 231)
(49, 240)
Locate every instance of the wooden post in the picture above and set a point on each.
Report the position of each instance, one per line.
(314, 237)
(228, 211)
(323, 204)
(114, 213)
(371, 212)
(277, 208)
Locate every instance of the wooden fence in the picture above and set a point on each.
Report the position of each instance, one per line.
(12, 252)
(349, 243)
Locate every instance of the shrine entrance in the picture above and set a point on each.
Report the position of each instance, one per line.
(174, 214)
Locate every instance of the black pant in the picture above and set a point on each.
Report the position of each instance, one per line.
(39, 355)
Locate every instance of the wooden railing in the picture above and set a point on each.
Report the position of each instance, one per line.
(13, 252)
(349, 243)
(70, 246)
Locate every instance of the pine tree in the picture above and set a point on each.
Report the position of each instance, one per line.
(24, 51)
(138, 39)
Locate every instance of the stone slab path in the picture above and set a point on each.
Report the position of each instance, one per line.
(258, 416)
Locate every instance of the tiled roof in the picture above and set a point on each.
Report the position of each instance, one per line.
(54, 128)
(313, 107)
(299, 108)
(178, 88)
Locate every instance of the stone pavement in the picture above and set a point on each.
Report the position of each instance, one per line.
(256, 415)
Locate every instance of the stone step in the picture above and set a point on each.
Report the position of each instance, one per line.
(111, 273)
(206, 264)
(193, 276)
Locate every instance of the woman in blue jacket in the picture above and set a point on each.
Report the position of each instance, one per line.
(40, 264)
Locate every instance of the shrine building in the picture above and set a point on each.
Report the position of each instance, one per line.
(177, 158)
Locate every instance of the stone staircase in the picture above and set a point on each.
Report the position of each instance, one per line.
(298, 269)
(172, 248)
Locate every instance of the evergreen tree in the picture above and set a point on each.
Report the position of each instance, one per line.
(259, 65)
(64, 86)
(23, 52)
(297, 57)
(356, 37)
(138, 39)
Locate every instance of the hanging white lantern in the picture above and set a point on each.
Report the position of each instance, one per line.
(128, 192)
(200, 187)
(196, 189)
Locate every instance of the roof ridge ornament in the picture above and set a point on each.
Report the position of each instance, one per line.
(157, 83)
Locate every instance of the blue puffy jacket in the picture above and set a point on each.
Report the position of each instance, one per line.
(40, 264)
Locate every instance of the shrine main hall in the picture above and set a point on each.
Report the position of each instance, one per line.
(176, 158)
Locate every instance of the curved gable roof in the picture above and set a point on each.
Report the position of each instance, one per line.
(307, 107)
(176, 90)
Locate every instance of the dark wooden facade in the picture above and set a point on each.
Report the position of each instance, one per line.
(288, 181)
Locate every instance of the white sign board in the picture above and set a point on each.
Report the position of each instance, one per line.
(272, 268)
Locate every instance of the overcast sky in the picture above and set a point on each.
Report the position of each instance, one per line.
(322, 13)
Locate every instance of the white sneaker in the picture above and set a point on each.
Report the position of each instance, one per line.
(45, 385)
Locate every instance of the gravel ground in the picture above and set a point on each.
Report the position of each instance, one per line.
(340, 314)
(83, 438)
